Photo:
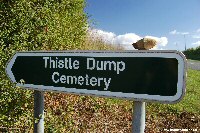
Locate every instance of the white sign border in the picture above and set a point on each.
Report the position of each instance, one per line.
(182, 67)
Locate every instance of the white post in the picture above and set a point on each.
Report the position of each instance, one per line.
(38, 112)
(138, 122)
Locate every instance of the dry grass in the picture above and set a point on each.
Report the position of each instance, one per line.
(98, 44)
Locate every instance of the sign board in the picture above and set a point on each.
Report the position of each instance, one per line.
(137, 75)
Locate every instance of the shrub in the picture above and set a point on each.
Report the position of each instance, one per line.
(28, 25)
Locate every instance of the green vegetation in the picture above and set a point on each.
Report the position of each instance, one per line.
(61, 25)
(27, 25)
(193, 53)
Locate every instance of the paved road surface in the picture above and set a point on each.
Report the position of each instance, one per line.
(195, 65)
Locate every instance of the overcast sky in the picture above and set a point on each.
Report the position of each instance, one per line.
(126, 21)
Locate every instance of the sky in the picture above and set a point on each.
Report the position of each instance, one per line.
(172, 23)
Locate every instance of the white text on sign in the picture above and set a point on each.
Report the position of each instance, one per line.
(91, 64)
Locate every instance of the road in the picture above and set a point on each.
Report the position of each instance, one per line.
(195, 65)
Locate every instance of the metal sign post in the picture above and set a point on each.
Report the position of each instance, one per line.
(38, 112)
(138, 118)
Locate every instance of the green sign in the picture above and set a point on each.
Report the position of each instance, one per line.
(138, 75)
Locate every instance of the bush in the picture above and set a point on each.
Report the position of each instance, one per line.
(28, 25)
(193, 53)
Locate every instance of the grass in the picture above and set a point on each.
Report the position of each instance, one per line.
(193, 60)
